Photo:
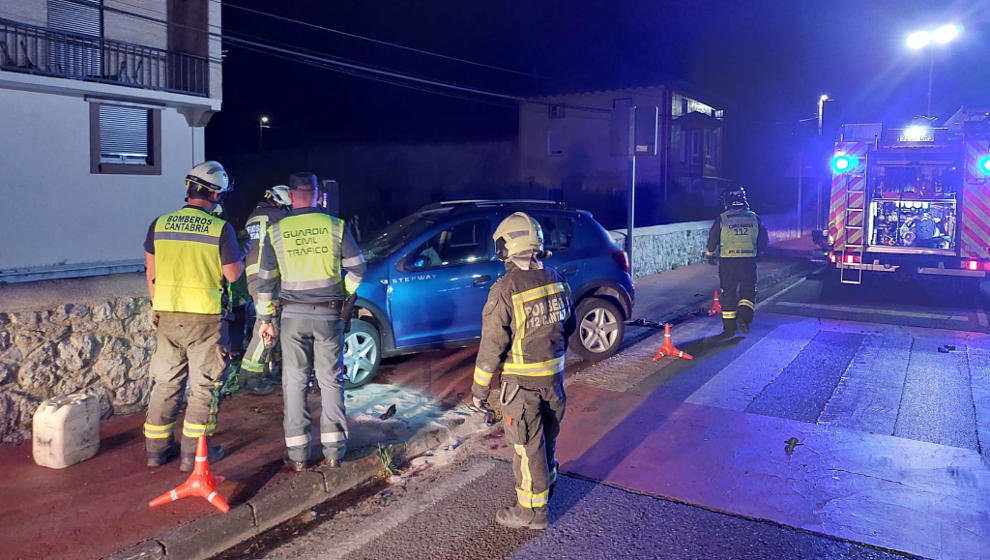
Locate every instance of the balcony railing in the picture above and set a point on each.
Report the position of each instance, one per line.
(38, 50)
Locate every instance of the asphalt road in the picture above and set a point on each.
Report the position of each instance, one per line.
(448, 514)
(887, 384)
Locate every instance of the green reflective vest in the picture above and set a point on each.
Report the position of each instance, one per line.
(307, 247)
(188, 272)
(740, 230)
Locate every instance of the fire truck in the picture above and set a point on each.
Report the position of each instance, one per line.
(911, 201)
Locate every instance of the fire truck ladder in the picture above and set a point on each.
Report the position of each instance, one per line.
(853, 253)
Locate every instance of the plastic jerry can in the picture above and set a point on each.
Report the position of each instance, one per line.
(66, 430)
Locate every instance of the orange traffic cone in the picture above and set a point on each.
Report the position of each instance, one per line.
(668, 348)
(716, 306)
(200, 483)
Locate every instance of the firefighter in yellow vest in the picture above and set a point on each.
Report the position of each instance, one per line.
(740, 238)
(314, 263)
(526, 323)
(273, 207)
(188, 255)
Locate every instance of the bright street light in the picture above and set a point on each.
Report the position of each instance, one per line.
(262, 125)
(919, 40)
(946, 33)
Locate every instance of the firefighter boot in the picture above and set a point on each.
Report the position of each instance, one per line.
(728, 328)
(157, 459)
(214, 453)
(518, 517)
(745, 315)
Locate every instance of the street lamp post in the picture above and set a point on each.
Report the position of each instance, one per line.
(922, 39)
(262, 125)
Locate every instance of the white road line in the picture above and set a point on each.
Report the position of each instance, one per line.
(391, 519)
(851, 309)
(781, 292)
(738, 383)
(868, 394)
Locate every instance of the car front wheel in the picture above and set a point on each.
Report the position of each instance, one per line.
(599, 329)
(362, 353)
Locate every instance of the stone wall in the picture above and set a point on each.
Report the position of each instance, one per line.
(668, 246)
(101, 346)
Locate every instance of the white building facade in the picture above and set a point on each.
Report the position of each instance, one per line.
(103, 106)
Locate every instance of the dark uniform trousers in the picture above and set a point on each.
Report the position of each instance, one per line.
(312, 338)
(532, 424)
(737, 280)
(190, 348)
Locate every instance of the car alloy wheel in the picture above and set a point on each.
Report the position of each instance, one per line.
(362, 353)
(599, 328)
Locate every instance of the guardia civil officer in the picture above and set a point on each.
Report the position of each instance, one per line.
(188, 254)
(273, 207)
(525, 326)
(740, 238)
(319, 265)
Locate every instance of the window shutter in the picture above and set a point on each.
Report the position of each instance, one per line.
(76, 57)
(124, 134)
(75, 16)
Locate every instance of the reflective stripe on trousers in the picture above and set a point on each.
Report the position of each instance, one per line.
(532, 423)
(313, 344)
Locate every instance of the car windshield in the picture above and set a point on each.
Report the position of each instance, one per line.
(395, 236)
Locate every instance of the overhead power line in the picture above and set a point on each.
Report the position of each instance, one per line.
(335, 64)
(373, 40)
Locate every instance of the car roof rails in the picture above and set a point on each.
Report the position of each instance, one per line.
(482, 203)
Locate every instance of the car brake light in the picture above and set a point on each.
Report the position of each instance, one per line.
(621, 259)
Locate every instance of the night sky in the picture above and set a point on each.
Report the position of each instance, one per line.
(768, 60)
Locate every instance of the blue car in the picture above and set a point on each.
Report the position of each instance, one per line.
(429, 274)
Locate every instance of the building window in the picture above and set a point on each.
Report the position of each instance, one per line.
(556, 111)
(695, 147)
(124, 139)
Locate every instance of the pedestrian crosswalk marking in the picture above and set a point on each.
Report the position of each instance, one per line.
(869, 392)
(737, 384)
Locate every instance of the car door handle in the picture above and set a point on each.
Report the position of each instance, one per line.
(482, 280)
(568, 270)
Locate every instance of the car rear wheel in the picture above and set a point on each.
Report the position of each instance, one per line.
(599, 329)
(362, 353)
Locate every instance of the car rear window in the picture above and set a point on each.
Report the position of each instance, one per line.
(558, 231)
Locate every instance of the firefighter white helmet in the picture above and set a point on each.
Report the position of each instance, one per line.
(210, 176)
(516, 234)
(280, 194)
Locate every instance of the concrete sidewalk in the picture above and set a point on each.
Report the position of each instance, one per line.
(98, 508)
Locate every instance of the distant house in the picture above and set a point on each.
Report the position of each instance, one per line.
(104, 105)
(565, 143)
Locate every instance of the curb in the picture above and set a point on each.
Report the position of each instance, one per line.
(212, 534)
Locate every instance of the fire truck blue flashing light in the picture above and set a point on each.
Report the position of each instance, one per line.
(843, 163)
(984, 164)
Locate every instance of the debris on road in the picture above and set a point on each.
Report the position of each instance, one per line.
(790, 445)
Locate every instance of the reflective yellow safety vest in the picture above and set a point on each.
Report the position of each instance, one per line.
(740, 231)
(188, 272)
(307, 247)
